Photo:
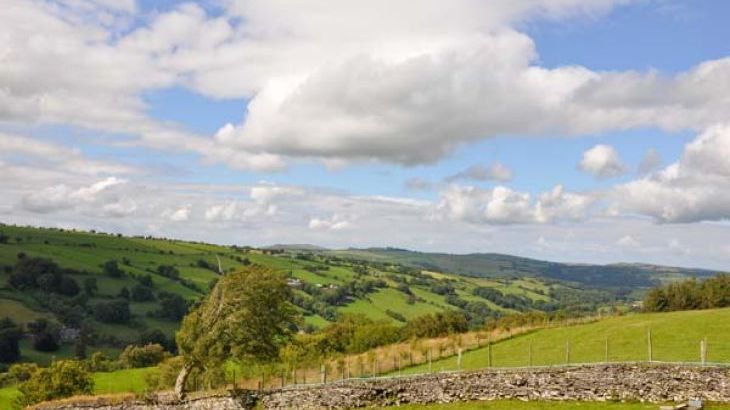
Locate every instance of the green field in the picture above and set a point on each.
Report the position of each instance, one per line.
(675, 337)
(120, 381)
(539, 405)
(86, 252)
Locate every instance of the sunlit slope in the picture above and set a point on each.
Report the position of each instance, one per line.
(675, 337)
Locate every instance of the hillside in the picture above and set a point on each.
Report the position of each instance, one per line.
(675, 337)
(324, 286)
(157, 278)
(492, 265)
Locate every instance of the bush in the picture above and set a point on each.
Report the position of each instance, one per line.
(45, 336)
(142, 293)
(10, 335)
(438, 324)
(63, 378)
(172, 306)
(99, 362)
(168, 272)
(22, 371)
(111, 268)
(142, 356)
(115, 311)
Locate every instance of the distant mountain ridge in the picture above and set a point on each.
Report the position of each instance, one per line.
(494, 265)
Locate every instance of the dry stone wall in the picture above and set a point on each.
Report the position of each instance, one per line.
(655, 383)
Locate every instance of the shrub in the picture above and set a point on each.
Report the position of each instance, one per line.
(111, 268)
(63, 378)
(142, 356)
(142, 293)
(22, 371)
(115, 311)
(44, 335)
(10, 335)
(172, 306)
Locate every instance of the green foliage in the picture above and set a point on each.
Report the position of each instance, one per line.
(111, 268)
(141, 293)
(64, 378)
(247, 317)
(438, 324)
(10, 334)
(690, 294)
(142, 356)
(21, 372)
(45, 335)
(114, 311)
(42, 274)
(172, 306)
(99, 362)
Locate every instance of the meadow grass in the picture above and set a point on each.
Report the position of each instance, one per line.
(675, 337)
(120, 381)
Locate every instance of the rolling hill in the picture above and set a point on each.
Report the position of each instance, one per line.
(155, 274)
(493, 265)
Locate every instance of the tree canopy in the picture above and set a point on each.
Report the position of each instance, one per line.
(247, 317)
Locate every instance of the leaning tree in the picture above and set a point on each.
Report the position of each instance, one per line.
(247, 317)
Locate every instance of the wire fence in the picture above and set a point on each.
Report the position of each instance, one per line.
(517, 350)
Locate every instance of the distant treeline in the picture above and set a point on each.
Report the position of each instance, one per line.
(690, 294)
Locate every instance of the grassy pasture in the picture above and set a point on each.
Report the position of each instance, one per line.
(675, 337)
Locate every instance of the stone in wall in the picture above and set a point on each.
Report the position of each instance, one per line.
(649, 383)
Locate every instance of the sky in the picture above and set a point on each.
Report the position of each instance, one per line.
(593, 131)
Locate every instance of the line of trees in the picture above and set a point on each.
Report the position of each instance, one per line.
(690, 294)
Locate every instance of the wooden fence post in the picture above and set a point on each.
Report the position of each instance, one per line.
(430, 368)
(529, 355)
(606, 351)
(651, 353)
(489, 353)
(458, 361)
(567, 351)
(703, 351)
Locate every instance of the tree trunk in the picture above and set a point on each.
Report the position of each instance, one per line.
(182, 378)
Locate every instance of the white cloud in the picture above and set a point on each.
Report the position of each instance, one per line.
(502, 205)
(495, 172)
(61, 196)
(628, 241)
(602, 161)
(177, 215)
(695, 188)
(401, 83)
(334, 223)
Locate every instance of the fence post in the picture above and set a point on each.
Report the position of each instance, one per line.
(651, 353)
(458, 361)
(703, 351)
(529, 355)
(323, 374)
(489, 353)
(283, 379)
(567, 351)
(430, 368)
(606, 352)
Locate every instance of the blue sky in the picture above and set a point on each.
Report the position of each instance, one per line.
(514, 127)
